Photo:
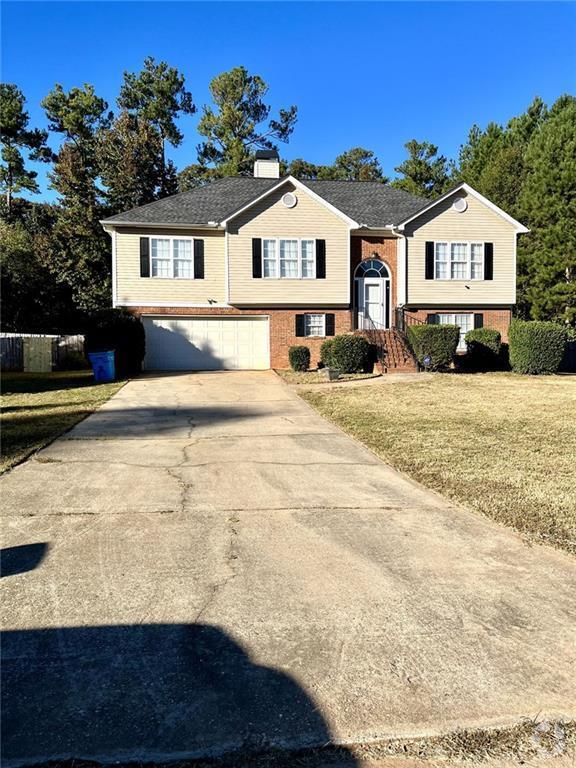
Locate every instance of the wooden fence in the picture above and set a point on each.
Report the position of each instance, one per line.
(27, 351)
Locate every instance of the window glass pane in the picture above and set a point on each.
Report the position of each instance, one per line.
(269, 253)
(307, 255)
(477, 260)
(441, 259)
(458, 258)
(288, 258)
(160, 257)
(314, 325)
(182, 258)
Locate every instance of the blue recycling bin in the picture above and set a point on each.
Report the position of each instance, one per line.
(103, 366)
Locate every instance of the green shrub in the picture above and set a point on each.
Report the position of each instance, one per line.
(483, 345)
(326, 353)
(73, 361)
(299, 358)
(349, 353)
(438, 342)
(121, 331)
(536, 346)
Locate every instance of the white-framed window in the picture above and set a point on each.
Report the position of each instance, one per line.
(172, 257)
(459, 260)
(314, 325)
(291, 258)
(464, 321)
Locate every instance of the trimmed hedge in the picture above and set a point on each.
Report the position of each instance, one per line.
(299, 357)
(536, 346)
(348, 353)
(326, 353)
(483, 345)
(438, 342)
(121, 331)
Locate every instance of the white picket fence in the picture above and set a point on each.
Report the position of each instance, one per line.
(37, 352)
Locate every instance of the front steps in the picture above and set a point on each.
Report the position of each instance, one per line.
(397, 357)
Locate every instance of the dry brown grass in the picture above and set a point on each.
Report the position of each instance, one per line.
(319, 377)
(504, 445)
(37, 407)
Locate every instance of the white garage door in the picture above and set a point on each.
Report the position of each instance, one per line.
(206, 343)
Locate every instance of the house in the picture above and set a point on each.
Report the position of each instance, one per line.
(231, 274)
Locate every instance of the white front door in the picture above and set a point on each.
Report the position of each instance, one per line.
(372, 303)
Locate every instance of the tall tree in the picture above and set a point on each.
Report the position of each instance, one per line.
(547, 257)
(128, 155)
(237, 125)
(78, 252)
(356, 164)
(158, 96)
(16, 139)
(424, 172)
(302, 169)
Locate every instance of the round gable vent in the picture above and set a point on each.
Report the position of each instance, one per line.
(289, 200)
(460, 205)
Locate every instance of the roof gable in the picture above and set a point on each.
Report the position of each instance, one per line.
(520, 228)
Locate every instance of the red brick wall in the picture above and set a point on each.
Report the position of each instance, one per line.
(282, 326)
(498, 319)
(383, 248)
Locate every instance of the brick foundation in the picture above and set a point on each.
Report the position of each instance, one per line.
(498, 319)
(282, 326)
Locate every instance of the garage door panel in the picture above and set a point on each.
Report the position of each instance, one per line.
(206, 343)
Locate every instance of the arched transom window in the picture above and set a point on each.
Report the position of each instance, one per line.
(372, 268)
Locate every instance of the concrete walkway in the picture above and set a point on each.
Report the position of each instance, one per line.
(205, 564)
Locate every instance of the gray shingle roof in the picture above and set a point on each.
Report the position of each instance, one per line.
(367, 202)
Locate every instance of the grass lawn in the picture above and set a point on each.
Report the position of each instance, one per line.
(502, 444)
(37, 407)
(319, 377)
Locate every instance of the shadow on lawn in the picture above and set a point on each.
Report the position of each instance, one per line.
(150, 693)
(30, 383)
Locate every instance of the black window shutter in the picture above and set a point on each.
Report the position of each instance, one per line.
(429, 274)
(488, 261)
(256, 257)
(199, 259)
(330, 324)
(144, 257)
(432, 319)
(478, 320)
(320, 259)
(300, 330)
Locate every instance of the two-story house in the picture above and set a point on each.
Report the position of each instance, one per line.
(231, 274)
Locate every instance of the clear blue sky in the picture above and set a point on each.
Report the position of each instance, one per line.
(362, 74)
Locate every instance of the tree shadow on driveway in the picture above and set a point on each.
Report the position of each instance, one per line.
(147, 693)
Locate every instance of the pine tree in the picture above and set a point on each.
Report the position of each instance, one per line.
(16, 138)
(356, 164)
(547, 257)
(424, 173)
(157, 96)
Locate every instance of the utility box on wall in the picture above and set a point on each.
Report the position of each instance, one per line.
(37, 354)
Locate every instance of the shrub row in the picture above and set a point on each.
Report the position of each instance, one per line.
(346, 352)
(434, 346)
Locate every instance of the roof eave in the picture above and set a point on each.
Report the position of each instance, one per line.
(159, 225)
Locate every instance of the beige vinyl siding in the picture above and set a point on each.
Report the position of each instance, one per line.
(308, 219)
(477, 224)
(133, 289)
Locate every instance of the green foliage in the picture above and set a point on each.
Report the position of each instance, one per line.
(348, 353)
(326, 352)
(129, 156)
(156, 96)
(235, 127)
(14, 176)
(357, 164)
(120, 330)
(438, 342)
(536, 347)
(483, 345)
(299, 357)
(424, 174)
(547, 257)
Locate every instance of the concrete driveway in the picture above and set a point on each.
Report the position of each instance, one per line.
(205, 564)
